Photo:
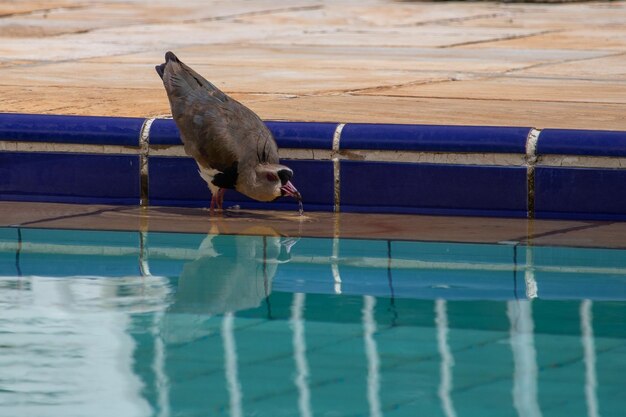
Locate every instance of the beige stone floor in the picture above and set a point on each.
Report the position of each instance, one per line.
(541, 65)
(315, 224)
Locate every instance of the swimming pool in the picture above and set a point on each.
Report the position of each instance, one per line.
(174, 324)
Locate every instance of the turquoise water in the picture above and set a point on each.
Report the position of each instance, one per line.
(163, 324)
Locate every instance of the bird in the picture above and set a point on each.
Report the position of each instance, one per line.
(230, 143)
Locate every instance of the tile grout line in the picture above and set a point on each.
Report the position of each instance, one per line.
(360, 155)
(337, 167)
(531, 162)
(336, 206)
(144, 153)
(532, 142)
(380, 262)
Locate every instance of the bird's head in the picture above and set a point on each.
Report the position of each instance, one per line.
(269, 182)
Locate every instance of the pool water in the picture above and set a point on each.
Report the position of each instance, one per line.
(164, 324)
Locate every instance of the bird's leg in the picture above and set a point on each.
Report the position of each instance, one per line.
(220, 197)
(213, 201)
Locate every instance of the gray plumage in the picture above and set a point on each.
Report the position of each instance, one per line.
(231, 145)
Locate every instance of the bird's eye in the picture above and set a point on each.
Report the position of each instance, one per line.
(271, 177)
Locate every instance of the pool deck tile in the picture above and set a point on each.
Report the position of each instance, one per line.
(478, 63)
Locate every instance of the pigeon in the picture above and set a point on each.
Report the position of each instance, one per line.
(231, 145)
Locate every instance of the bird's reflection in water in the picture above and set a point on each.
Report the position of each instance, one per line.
(231, 272)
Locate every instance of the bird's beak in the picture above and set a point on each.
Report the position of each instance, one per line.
(289, 190)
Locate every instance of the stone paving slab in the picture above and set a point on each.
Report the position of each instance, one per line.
(380, 61)
(517, 89)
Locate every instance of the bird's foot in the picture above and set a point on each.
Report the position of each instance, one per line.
(217, 201)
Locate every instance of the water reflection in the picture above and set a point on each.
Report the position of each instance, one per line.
(301, 377)
(215, 329)
(66, 349)
(230, 273)
(524, 357)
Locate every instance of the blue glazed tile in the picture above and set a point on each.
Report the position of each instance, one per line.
(164, 240)
(64, 265)
(312, 247)
(303, 278)
(448, 252)
(69, 261)
(69, 178)
(558, 256)
(159, 244)
(456, 271)
(580, 193)
(580, 286)
(433, 189)
(164, 132)
(70, 129)
(175, 181)
(581, 142)
(364, 281)
(8, 234)
(434, 138)
(8, 258)
(363, 248)
(303, 135)
(83, 238)
(456, 284)
(9, 264)
(300, 135)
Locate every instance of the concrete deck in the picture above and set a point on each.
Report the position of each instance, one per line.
(314, 224)
(539, 65)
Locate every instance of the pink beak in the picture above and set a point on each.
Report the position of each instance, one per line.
(290, 190)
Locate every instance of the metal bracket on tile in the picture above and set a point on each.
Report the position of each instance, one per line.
(336, 166)
(531, 162)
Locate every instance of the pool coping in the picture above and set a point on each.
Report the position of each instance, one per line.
(353, 167)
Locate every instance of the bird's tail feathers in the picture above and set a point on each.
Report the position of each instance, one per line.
(169, 56)
(179, 79)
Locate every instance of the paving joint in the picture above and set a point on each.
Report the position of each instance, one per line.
(44, 10)
(257, 13)
(504, 38)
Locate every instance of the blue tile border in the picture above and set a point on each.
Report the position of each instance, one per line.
(422, 169)
(70, 129)
(303, 135)
(580, 193)
(433, 188)
(431, 138)
(582, 142)
(297, 135)
(187, 189)
(69, 178)
(164, 132)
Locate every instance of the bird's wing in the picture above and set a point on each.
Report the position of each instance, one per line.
(217, 130)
